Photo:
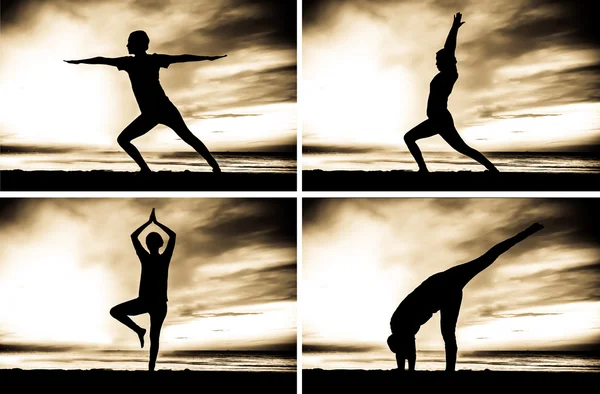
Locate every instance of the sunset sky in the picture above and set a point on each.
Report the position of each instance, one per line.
(65, 262)
(529, 73)
(244, 102)
(362, 257)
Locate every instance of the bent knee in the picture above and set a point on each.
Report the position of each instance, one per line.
(408, 139)
(123, 140)
(114, 311)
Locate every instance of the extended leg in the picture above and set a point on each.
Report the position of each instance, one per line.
(122, 312)
(462, 274)
(424, 129)
(157, 317)
(175, 121)
(140, 126)
(449, 312)
(451, 136)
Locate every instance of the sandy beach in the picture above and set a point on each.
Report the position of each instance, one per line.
(317, 380)
(223, 382)
(318, 180)
(18, 180)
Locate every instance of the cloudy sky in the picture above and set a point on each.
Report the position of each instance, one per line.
(244, 102)
(65, 262)
(529, 73)
(361, 257)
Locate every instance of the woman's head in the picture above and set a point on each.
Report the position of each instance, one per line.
(138, 42)
(154, 241)
(444, 60)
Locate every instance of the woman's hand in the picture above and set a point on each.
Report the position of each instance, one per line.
(153, 216)
(72, 61)
(457, 20)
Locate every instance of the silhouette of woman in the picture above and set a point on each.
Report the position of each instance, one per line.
(441, 292)
(155, 106)
(439, 120)
(152, 296)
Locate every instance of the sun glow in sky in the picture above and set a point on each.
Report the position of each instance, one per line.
(362, 257)
(244, 102)
(528, 73)
(65, 263)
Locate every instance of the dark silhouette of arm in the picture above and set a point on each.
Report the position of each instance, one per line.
(450, 45)
(106, 61)
(448, 321)
(137, 245)
(172, 236)
(191, 58)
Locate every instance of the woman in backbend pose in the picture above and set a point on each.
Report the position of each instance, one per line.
(441, 292)
(439, 120)
(152, 296)
(155, 106)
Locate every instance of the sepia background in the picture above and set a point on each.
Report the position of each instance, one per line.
(527, 87)
(243, 105)
(232, 283)
(361, 257)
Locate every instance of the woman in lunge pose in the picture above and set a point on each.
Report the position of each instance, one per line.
(155, 106)
(439, 120)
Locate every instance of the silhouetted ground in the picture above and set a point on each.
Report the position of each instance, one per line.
(198, 381)
(319, 180)
(377, 381)
(18, 180)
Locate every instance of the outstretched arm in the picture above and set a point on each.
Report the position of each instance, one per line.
(172, 236)
(191, 58)
(137, 245)
(107, 61)
(450, 45)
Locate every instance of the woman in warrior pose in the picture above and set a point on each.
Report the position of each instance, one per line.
(155, 106)
(441, 292)
(439, 120)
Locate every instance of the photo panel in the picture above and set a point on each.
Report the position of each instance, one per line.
(149, 291)
(449, 292)
(142, 95)
(440, 95)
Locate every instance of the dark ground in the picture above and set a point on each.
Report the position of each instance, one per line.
(378, 381)
(197, 381)
(18, 180)
(319, 180)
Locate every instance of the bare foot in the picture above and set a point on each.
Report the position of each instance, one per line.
(423, 170)
(141, 336)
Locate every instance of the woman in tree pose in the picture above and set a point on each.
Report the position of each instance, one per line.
(152, 296)
(441, 292)
(155, 106)
(439, 120)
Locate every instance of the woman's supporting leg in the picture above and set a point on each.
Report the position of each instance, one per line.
(157, 317)
(174, 120)
(451, 136)
(424, 129)
(449, 316)
(140, 126)
(122, 312)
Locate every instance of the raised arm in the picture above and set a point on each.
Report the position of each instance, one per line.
(137, 245)
(107, 61)
(450, 45)
(191, 58)
(172, 236)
